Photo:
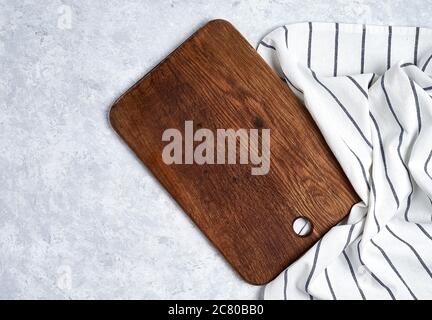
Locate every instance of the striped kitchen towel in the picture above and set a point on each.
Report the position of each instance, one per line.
(368, 88)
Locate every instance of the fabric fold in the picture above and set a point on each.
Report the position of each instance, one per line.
(368, 89)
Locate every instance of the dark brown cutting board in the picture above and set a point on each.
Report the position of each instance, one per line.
(217, 80)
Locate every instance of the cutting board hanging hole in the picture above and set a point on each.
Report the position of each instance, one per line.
(302, 226)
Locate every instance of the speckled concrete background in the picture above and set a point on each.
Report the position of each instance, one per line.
(80, 217)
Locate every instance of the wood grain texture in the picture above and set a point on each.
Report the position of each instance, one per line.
(218, 80)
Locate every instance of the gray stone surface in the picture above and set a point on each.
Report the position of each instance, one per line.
(80, 217)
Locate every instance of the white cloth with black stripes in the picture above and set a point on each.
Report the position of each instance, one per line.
(367, 87)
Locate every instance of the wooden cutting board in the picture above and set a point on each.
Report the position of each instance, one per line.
(217, 80)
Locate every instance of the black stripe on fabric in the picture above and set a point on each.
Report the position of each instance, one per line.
(374, 209)
(363, 47)
(329, 284)
(353, 275)
(267, 45)
(358, 86)
(426, 166)
(426, 63)
(394, 268)
(373, 275)
(291, 84)
(384, 159)
(349, 236)
(371, 80)
(416, 44)
(286, 36)
(407, 64)
(309, 46)
(412, 249)
(361, 166)
(313, 268)
(401, 140)
(399, 147)
(343, 109)
(335, 66)
(348, 261)
(304, 225)
(389, 47)
(424, 231)
(427, 88)
(285, 283)
(389, 104)
(430, 200)
(409, 200)
(285, 76)
(383, 285)
(417, 104)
